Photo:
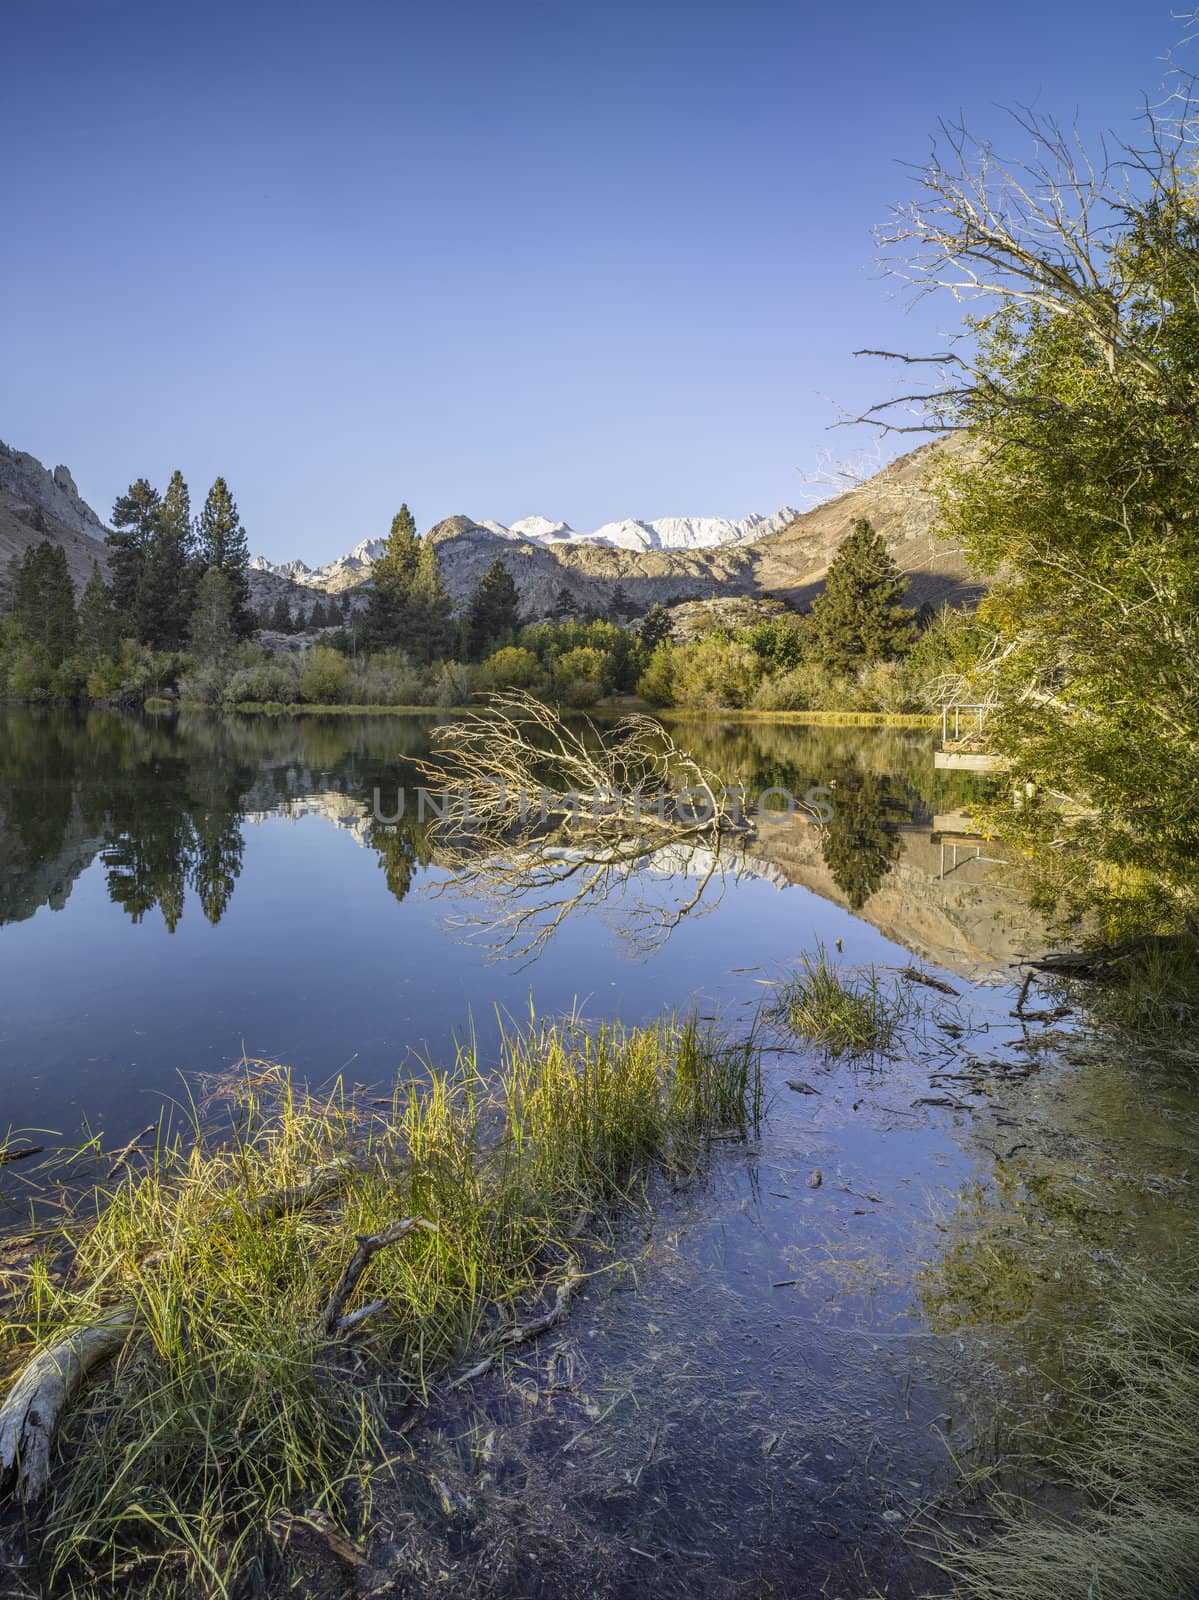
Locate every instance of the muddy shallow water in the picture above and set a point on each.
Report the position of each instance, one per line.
(779, 1368)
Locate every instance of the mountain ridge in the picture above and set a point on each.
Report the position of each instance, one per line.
(785, 563)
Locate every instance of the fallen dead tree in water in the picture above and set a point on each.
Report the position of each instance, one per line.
(540, 816)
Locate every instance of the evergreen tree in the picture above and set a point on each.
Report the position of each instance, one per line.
(213, 630)
(166, 592)
(99, 620)
(134, 524)
(859, 619)
(429, 633)
(619, 604)
(655, 628)
(222, 544)
(281, 615)
(493, 612)
(393, 575)
(860, 843)
(44, 601)
(318, 618)
(8, 586)
(565, 605)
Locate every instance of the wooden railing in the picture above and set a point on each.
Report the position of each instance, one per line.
(951, 718)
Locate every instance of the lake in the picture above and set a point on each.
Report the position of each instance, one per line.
(775, 1387)
(175, 892)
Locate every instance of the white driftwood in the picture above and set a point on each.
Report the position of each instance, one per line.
(47, 1387)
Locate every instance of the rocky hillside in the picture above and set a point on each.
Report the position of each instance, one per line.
(36, 504)
(787, 563)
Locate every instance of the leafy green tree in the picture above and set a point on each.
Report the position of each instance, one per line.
(99, 620)
(166, 592)
(134, 524)
(1076, 490)
(213, 633)
(494, 611)
(222, 543)
(860, 619)
(779, 641)
(429, 633)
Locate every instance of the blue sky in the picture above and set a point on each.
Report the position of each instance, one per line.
(589, 260)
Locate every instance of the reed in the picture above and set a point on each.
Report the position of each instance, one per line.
(230, 1405)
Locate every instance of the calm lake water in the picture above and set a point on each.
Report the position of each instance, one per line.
(176, 892)
(807, 1338)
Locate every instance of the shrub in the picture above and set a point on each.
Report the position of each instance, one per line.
(513, 667)
(656, 683)
(717, 670)
(324, 677)
(579, 676)
(275, 678)
(388, 679)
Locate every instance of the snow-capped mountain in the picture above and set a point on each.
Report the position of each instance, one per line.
(339, 574)
(664, 533)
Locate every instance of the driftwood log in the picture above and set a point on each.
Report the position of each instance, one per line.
(46, 1388)
(332, 1320)
(56, 1376)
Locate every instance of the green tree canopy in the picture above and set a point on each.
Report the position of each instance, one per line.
(222, 543)
(494, 611)
(1077, 492)
(134, 524)
(393, 576)
(43, 602)
(213, 634)
(860, 618)
(429, 632)
(655, 628)
(99, 620)
(166, 592)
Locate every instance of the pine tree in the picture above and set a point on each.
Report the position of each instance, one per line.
(134, 523)
(281, 615)
(99, 620)
(44, 601)
(393, 575)
(859, 619)
(318, 617)
(565, 605)
(223, 545)
(167, 589)
(655, 628)
(493, 612)
(8, 586)
(619, 604)
(429, 633)
(213, 632)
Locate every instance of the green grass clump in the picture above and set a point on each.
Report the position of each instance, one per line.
(1130, 1449)
(844, 1016)
(228, 1407)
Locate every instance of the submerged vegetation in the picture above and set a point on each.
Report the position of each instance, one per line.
(1127, 1444)
(261, 1372)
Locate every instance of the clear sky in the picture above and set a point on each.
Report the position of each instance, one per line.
(587, 259)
